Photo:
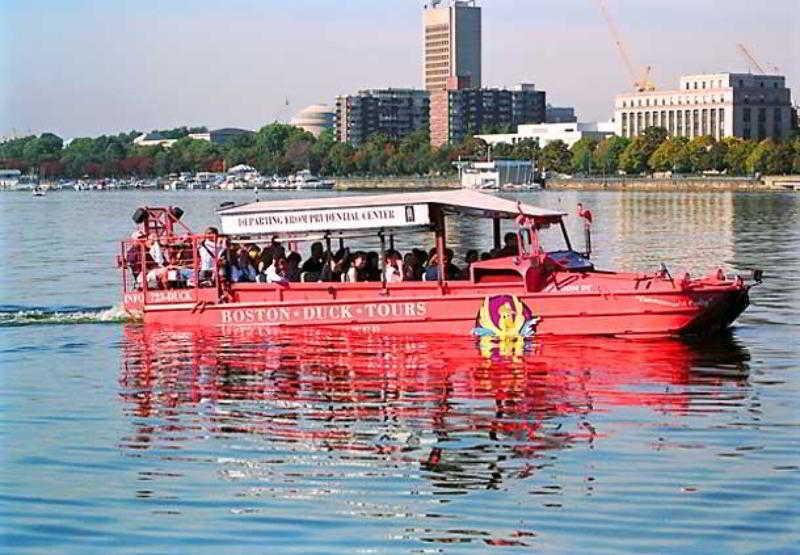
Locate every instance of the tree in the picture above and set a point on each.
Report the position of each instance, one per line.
(779, 159)
(737, 152)
(636, 155)
(608, 152)
(556, 157)
(671, 155)
(583, 155)
(796, 159)
(757, 160)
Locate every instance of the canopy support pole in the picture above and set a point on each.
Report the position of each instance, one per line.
(496, 231)
(382, 260)
(566, 235)
(441, 242)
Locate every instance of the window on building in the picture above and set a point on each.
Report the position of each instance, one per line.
(741, 83)
(687, 86)
(746, 114)
(761, 84)
(775, 85)
(747, 134)
(778, 114)
(679, 122)
(704, 84)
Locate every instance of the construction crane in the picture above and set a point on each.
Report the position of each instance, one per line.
(753, 62)
(749, 57)
(640, 79)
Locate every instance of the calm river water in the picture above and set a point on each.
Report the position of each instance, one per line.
(115, 438)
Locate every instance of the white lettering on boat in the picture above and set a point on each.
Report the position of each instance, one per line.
(328, 218)
(170, 296)
(325, 313)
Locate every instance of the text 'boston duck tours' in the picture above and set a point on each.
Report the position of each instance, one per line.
(174, 277)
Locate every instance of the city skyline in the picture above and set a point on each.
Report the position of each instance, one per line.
(82, 68)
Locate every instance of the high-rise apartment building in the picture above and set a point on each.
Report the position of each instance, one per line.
(718, 104)
(458, 113)
(452, 44)
(392, 112)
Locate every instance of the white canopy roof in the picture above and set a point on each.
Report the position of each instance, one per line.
(368, 211)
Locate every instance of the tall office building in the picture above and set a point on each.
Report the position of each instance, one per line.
(716, 104)
(392, 112)
(452, 44)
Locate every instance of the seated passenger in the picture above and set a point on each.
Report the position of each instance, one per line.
(358, 268)
(510, 247)
(373, 271)
(316, 261)
(412, 269)
(247, 270)
(486, 256)
(393, 268)
(432, 271)
(450, 269)
(278, 271)
(293, 267)
(335, 266)
(470, 259)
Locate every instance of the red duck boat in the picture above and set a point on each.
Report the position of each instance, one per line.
(174, 277)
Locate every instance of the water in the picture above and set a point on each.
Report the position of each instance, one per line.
(124, 439)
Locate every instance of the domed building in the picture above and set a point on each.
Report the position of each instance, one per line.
(314, 119)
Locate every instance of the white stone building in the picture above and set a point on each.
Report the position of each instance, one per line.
(569, 133)
(717, 104)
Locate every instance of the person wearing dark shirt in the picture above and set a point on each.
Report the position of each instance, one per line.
(316, 261)
(510, 247)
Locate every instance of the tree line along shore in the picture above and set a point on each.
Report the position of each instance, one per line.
(284, 149)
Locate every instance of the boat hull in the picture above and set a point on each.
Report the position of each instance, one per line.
(454, 308)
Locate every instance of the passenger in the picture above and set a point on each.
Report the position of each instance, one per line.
(133, 257)
(316, 261)
(412, 269)
(254, 252)
(486, 256)
(470, 259)
(278, 271)
(276, 249)
(335, 265)
(293, 266)
(432, 271)
(210, 251)
(422, 258)
(451, 270)
(358, 270)
(510, 247)
(157, 275)
(393, 267)
(247, 272)
(372, 271)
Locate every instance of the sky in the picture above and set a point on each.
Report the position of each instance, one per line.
(88, 67)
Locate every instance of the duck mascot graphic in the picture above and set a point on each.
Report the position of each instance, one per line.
(503, 324)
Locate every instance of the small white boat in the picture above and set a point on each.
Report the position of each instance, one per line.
(305, 180)
(39, 191)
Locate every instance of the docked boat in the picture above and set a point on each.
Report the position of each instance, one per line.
(305, 180)
(534, 291)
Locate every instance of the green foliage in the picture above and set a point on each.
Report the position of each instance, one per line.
(607, 154)
(282, 149)
(636, 155)
(556, 157)
(583, 155)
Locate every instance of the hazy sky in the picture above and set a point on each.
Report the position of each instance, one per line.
(85, 67)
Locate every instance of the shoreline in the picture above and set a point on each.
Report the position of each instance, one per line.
(699, 184)
(788, 183)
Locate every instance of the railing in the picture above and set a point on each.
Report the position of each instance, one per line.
(179, 267)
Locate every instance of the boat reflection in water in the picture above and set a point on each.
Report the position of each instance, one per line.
(421, 401)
